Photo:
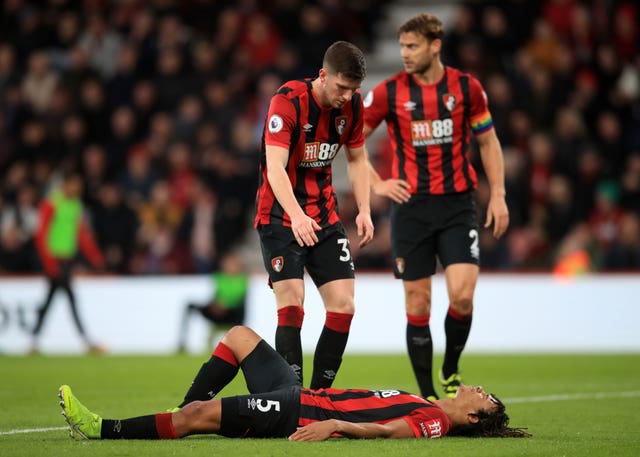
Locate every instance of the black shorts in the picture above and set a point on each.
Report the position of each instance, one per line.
(445, 226)
(329, 259)
(273, 406)
(265, 415)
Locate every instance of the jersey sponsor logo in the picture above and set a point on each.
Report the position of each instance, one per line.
(431, 132)
(307, 128)
(432, 429)
(449, 101)
(318, 154)
(341, 124)
(275, 123)
(400, 264)
(277, 263)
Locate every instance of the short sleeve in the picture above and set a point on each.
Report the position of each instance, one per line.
(428, 422)
(280, 123)
(480, 117)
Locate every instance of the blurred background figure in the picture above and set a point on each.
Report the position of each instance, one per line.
(61, 233)
(227, 306)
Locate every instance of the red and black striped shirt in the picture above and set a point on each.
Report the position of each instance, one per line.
(426, 419)
(430, 128)
(313, 134)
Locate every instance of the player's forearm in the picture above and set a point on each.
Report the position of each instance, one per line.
(359, 177)
(493, 163)
(281, 186)
(362, 430)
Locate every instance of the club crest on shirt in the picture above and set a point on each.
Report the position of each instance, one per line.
(277, 263)
(400, 264)
(449, 101)
(341, 124)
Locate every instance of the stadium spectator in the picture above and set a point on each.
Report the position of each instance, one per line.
(433, 214)
(273, 408)
(226, 308)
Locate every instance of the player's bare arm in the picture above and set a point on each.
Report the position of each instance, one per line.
(493, 163)
(304, 228)
(358, 168)
(395, 189)
(319, 431)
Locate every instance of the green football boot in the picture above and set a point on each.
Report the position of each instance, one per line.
(451, 384)
(83, 424)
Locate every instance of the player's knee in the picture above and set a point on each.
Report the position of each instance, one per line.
(418, 302)
(238, 332)
(192, 414)
(345, 305)
(462, 305)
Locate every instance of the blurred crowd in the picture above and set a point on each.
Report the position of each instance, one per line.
(563, 82)
(160, 104)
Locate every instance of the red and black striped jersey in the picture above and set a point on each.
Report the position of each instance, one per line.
(426, 419)
(430, 128)
(313, 134)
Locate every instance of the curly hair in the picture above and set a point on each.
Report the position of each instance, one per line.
(491, 424)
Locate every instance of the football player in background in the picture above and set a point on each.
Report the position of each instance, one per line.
(278, 406)
(62, 234)
(430, 110)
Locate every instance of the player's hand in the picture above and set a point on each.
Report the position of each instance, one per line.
(395, 189)
(498, 215)
(315, 431)
(364, 225)
(304, 229)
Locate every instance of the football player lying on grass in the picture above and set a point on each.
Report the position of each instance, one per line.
(278, 406)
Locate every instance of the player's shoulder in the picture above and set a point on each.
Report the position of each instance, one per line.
(294, 88)
(456, 73)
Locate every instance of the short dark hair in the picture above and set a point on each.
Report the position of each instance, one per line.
(491, 424)
(427, 25)
(347, 59)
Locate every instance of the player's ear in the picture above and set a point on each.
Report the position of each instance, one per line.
(322, 75)
(472, 418)
(436, 45)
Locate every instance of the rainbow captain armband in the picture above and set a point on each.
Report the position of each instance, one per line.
(482, 123)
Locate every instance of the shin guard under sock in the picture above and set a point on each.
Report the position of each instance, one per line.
(214, 374)
(152, 427)
(420, 348)
(331, 345)
(456, 328)
(288, 342)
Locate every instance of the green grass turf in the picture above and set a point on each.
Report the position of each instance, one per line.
(599, 414)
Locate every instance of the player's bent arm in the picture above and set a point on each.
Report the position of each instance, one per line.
(303, 227)
(318, 431)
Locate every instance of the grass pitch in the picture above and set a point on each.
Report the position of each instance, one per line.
(574, 405)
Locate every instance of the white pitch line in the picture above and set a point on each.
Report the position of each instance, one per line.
(508, 401)
(566, 397)
(33, 430)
